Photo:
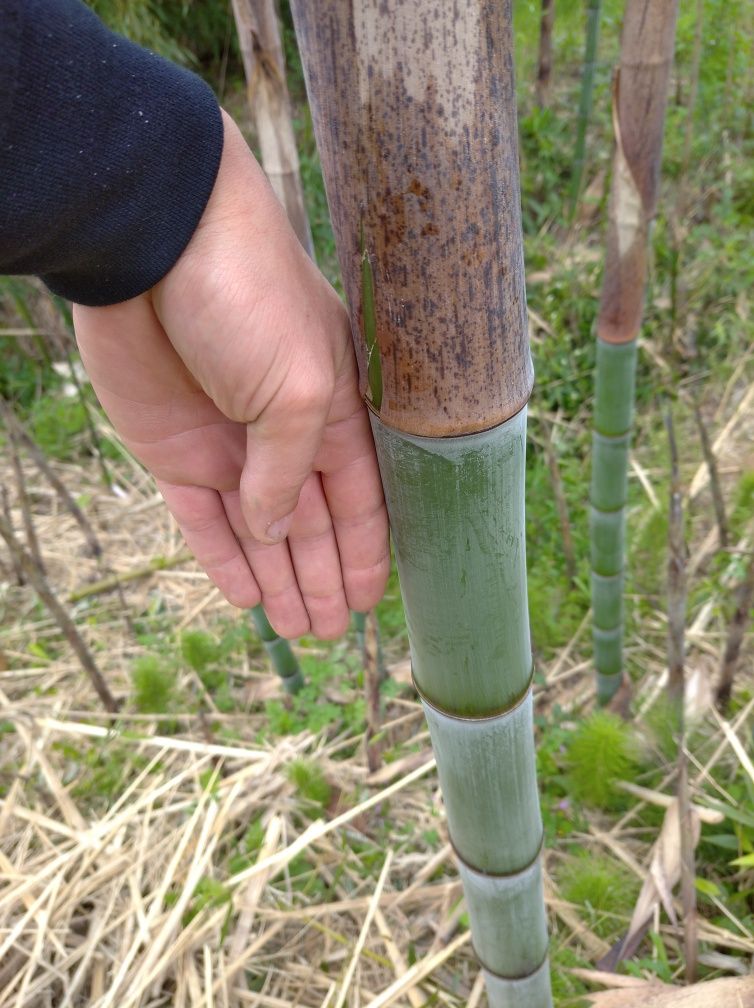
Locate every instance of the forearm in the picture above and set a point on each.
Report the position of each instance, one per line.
(108, 154)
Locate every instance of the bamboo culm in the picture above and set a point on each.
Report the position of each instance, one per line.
(639, 99)
(430, 246)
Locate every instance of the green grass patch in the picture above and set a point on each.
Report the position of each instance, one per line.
(602, 750)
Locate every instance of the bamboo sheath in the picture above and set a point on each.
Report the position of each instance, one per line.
(639, 100)
(414, 111)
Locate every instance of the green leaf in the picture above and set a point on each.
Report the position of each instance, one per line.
(745, 818)
(706, 888)
(746, 861)
(725, 840)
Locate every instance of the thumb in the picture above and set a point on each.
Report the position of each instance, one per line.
(281, 447)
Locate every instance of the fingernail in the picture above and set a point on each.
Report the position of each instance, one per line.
(278, 530)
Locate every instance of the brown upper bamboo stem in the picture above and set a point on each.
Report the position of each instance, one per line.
(639, 99)
(414, 110)
(270, 105)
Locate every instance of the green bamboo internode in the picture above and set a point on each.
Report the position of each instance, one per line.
(488, 778)
(611, 442)
(456, 510)
(518, 935)
(279, 651)
(639, 99)
(463, 565)
(414, 110)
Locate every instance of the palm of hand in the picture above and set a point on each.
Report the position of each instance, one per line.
(234, 383)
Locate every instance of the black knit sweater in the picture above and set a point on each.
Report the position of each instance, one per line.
(108, 153)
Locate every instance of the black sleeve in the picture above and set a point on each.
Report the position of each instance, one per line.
(108, 153)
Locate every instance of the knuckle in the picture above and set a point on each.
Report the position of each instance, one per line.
(313, 392)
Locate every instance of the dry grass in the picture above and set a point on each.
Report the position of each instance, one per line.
(136, 903)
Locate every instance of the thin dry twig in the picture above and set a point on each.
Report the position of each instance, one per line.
(37, 577)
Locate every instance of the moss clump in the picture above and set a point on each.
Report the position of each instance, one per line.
(310, 782)
(199, 649)
(154, 685)
(57, 424)
(601, 751)
(603, 888)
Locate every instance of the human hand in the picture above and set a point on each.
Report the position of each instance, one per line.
(234, 381)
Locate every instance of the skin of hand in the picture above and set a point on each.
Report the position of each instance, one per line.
(234, 382)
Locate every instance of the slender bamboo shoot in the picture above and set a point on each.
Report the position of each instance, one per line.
(279, 651)
(639, 99)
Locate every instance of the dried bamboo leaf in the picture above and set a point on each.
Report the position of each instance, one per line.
(664, 874)
(737, 992)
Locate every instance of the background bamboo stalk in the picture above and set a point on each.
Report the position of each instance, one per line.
(23, 498)
(270, 106)
(373, 676)
(18, 572)
(585, 99)
(560, 500)
(430, 246)
(639, 100)
(676, 601)
(544, 62)
(269, 102)
(57, 484)
(736, 630)
(112, 582)
(714, 477)
(688, 864)
(36, 576)
(676, 575)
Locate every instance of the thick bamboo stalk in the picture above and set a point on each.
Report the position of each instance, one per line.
(639, 99)
(414, 110)
(279, 652)
(585, 98)
(264, 67)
